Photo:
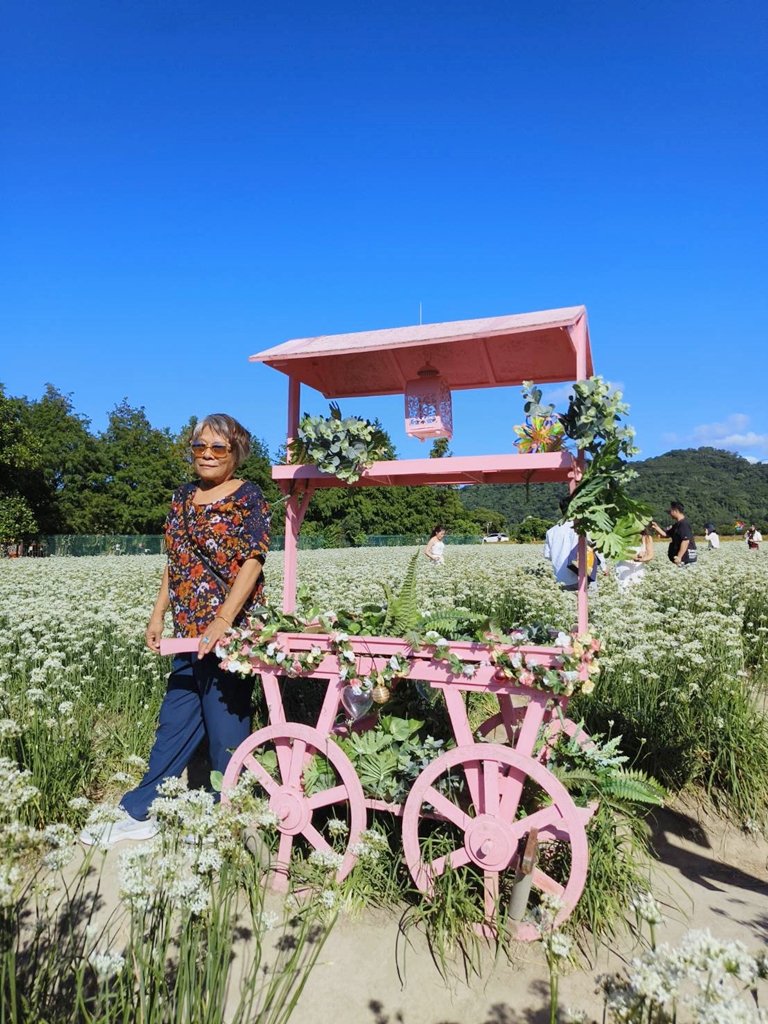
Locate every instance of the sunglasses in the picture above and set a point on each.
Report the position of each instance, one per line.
(219, 449)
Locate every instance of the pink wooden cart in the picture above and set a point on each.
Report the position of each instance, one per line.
(485, 835)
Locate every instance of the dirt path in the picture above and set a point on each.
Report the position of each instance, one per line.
(708, 875)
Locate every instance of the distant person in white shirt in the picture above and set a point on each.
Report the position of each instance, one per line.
(561, 548)
(754, 538)
(713, 539)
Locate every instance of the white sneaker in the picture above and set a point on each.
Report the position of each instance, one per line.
(113, 832)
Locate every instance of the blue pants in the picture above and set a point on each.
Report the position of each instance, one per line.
(201, 699)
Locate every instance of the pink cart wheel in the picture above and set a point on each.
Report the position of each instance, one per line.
(468, 800)
(293, 746)
(553, 725)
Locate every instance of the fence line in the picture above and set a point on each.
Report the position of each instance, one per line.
(76, 545)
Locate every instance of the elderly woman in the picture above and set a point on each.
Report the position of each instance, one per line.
(217, 535)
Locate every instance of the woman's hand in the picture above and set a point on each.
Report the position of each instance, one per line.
(153, 633)
(212, 633)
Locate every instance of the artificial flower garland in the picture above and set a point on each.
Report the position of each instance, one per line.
(264, 640)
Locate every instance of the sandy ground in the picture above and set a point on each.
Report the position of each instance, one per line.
(709, 875)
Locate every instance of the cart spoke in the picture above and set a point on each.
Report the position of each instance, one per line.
(491, 771)
(334, 795)
(458, 859)
(297, 763)
(472, 771)
(316, 838)
(546, 817)
(261, 773)
(284, 852)
(547, 883)
(283, 752)
(512, 791)
(446, 809)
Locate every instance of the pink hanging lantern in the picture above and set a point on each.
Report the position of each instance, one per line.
(428, 410)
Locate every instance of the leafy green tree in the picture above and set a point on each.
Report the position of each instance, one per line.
(488, 520)
(71, 467)
(20, 455)
(143, 468)
(531, 529)
(16, 519)
(440, 449)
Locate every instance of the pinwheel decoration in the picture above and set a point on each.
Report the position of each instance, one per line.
(540, 434)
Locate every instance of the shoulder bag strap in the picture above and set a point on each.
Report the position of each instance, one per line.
(189, 490)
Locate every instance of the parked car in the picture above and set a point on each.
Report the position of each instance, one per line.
(495, 538)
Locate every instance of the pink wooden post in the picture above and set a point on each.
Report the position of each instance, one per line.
(579, 338)
(292, 515)
(578, 333)
(294, 398)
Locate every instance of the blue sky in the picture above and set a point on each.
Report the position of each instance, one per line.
(184, 184)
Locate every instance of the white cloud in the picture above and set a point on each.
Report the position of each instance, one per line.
(733, 434)
(557, 396)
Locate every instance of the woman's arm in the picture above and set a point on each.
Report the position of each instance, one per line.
(242, 588)
(155, 627)
(428, 549)
(647, 552)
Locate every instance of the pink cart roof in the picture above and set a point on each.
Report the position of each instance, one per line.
(492, 352)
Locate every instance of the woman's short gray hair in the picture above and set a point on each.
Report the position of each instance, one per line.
(227, 427)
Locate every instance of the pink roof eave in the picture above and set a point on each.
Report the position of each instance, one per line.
(547, 347)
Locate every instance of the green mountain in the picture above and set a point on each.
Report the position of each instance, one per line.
(714, 486)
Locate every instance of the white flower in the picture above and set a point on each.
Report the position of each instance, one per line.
(337, 827)
(107, 964)
(268, 919)
(560, 945)
(328, 898)
(326, 859)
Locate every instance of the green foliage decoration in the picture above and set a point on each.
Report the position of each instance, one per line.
(600, 506)
(343, 446)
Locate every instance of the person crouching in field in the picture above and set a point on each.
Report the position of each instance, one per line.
(217, 535)
(713, 538)
(632, 570)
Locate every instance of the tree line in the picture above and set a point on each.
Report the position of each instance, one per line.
(57, 476)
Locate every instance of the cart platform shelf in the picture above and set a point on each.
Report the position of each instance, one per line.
(545, 467)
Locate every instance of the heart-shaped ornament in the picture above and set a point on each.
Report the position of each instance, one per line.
(355, 704)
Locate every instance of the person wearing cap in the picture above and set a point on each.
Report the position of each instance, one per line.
(713, 538)
(217, 536)
(682, 546)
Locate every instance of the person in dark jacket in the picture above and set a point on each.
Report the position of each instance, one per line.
(682, 546)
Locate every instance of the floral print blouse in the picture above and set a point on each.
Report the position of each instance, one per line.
(229, 531)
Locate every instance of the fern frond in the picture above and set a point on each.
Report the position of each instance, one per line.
(403, 610)
(575, 778)
(631, 785)
(452, 619)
